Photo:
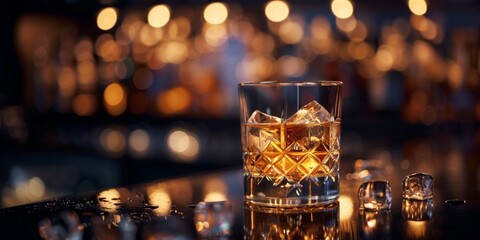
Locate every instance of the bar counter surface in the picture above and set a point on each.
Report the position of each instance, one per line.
(209, 205)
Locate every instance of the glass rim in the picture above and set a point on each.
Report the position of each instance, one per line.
(297, 83)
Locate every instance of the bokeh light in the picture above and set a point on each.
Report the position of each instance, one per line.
(139, 143)
(215, 35)
(36, 187)
(342, 8)
(158, 16)
(114, 98)
(291, 31)
(174, 101)
(417, 7)
(85, 104)
(114, 94)
(150, 36)
(107, 18)
(277, 11)
(107, 48)
(183, 145)
(113, 141)
(174, 52)
(67, 84)
(291, 66)
(346, 24)
(215, 13)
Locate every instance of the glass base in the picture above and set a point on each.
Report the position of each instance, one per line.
(311, 191)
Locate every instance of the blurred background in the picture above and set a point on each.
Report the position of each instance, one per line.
(95, 94)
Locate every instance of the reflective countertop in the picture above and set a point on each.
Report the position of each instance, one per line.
(209, 205)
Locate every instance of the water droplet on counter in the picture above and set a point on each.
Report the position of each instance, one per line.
(149, 207)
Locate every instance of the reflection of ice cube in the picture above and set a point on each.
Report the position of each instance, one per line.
(417, 210)
(418, 186)
(313, 112)
(260, 117)
(375, 195)
(375, 224)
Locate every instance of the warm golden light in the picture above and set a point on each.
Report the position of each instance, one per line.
(347, 24)
(255, 68)
(423, 52)
(215, 13)
(359, 51)
(36, 187)
(384, 58)
(215, 197)
(66, 82)
(359, 33)
(107, 18)
(139, 142)
(263, 43)
(158, 16)
(215, 35)
(215, 190)
(184, 145)
(342, 8)
(416, 229)
(114, 94)
(84, 104)
(159, 197)
(150, 36)
(417, 7)
(182, 28)
(346, 207)
(107, 48)
(173, 52)
(291, 66)
(291, 32)
(87, 75)
(130, 26)
(115, 99)
(84, 50)
(113, 140)
(455, 75)
(277, 11)
(175, 100)
(108, 200)
(322, 41)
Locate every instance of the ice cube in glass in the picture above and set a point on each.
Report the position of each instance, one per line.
(260, 136)
(375, 195)
(418, 186)
(312, 112)
(261, 117)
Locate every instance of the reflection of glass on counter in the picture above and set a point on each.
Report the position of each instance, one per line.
(214, 220)
(292, 223)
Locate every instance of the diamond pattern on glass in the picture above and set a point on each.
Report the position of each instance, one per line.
(305, 146)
